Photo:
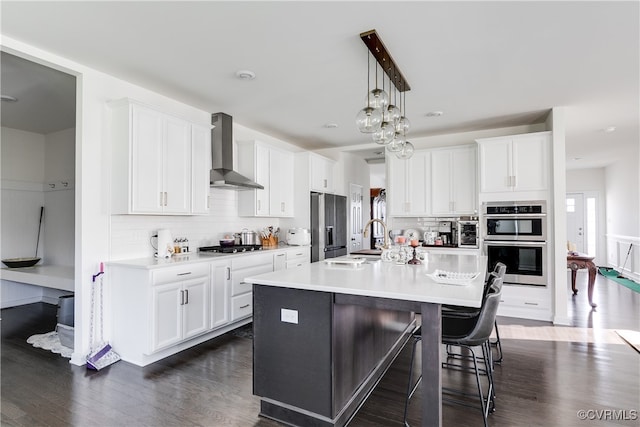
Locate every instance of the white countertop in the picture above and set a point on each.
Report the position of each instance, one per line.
(49, 276)
(387, 280)
(194, 257)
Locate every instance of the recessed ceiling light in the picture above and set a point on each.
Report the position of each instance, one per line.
(8, 98)
(245, 75)
(434, 114)
(330, 125)
(609, 129)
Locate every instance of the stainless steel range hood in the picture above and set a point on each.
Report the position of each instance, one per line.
(222, 173)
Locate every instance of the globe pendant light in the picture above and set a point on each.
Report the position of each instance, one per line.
(403, 124)
(368, 119)
(378, 98)
(392, 113)
(396, 144)
(385, 134)
(406, 151)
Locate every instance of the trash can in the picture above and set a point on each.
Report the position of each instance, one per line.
(65, 310)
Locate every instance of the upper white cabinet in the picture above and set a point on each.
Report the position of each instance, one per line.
(453, 183)
(200, 169)
(272, 168)
(321, 170)
(408, 184)
(152, 155)
(514, 163)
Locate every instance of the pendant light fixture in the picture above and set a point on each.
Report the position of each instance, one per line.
(368, 119)
(386, 123)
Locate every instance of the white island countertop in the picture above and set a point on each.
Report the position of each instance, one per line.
(387, 280)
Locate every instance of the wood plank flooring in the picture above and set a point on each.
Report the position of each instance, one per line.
(541, 382)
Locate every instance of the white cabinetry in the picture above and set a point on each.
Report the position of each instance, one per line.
(298, 256)
(200, 169)
(408, 184)
(527, 302)
(514, 163)
(453, 183)
(241, 291)
(273, 169)
(321, 170)
(179, 305)
(220, 293)
(152, 162)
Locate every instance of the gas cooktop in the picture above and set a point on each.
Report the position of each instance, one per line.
(230, 249)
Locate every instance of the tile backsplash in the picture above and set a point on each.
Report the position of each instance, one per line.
(422, 224)
(131, 234)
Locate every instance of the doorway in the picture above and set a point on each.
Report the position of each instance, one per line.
(582, 221)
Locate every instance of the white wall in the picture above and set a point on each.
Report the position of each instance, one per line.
(378, 175)
(623, 216)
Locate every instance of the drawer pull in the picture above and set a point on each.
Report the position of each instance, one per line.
(244, 306)
(530, 303)
(183, 274)
(280, 255)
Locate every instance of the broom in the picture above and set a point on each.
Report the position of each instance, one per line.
(101, 354)
(620, 276)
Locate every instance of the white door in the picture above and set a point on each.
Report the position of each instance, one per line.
(195, 306)
(220, 288)
(355, 210)
(166, 315)
(575, 220)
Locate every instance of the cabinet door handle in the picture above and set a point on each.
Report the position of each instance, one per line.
(282, 207)
(161, 198)
(244, 306)
(186, 296)
(166, 198)
(228, 273)
(181, 297)
(514, 181)
(325, 183)
(208, 202)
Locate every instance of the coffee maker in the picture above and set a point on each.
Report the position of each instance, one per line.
(445, 232)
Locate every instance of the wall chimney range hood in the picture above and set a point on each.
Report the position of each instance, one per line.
(222, 173)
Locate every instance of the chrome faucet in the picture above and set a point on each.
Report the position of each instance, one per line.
(384, 229)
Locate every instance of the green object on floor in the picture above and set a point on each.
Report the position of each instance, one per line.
(612, 274)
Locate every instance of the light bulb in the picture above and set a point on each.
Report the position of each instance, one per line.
(378, 98)
(396, 144)
(392, 114)
(368, 120)
(385, 134)
(406, 151)
(403, 125)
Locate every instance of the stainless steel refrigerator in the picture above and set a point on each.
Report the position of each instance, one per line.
(328, 226)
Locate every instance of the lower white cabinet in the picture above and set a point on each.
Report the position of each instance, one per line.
(241, 291)
(220, 293)
(526, 302)
(180, 305)
(298, 256)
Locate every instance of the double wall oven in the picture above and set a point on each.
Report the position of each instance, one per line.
(515, 233)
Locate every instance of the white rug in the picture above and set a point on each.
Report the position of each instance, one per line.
(50, 341)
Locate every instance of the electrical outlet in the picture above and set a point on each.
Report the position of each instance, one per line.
(289, 316)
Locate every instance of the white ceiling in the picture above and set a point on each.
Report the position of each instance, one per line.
(484, 64)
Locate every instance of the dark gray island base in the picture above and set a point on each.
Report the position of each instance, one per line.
(318, 355)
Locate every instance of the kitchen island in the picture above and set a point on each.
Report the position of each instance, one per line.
(324, 334)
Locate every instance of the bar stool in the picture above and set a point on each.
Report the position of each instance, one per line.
(468, 333)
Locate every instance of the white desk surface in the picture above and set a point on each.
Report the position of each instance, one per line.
(49, 276)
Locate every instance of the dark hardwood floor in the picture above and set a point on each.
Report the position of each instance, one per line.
(540, 383)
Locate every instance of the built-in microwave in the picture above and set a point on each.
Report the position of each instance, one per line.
(526, 221)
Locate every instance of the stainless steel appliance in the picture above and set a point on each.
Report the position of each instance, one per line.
(222, 174)
(229, 249)
(468, 235)
(515, 234)
(328, 226)
(515, 221)
(445, 232)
